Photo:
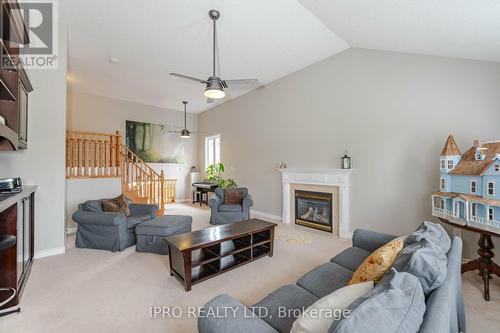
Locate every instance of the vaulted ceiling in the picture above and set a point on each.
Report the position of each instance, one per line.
(125, 49)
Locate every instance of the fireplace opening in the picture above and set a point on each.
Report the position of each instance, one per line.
(314, 209)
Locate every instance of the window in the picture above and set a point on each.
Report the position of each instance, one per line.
(441, 203)
(443, 164)
(473, 186)
(491, 187)
(450, 164)
(491, 215)
(212, 150)
(497, 167)
(473, 209)
(443, 183)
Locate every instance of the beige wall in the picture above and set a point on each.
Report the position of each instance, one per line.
(391, 111)
(102, 114)
(43, 162)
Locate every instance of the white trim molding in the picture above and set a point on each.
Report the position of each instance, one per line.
(327, 177)
(264, 216)
(50, 252)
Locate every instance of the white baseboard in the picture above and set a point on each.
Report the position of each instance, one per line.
(49, 252)
(265, 216)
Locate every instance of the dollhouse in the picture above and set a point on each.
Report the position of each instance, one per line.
(469, 192)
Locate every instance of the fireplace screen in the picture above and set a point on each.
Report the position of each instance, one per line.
(314, 209)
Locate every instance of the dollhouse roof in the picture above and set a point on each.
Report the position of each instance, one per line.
(469, 197)
(450, 147)
(468, 166)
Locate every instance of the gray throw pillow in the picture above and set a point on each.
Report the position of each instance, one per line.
(425, 261)
(434, 233)
(395, 305)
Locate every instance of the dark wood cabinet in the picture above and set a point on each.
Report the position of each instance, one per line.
(17, 218)
(24, 89)
(14, 82)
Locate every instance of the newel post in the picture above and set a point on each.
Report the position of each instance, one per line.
(118, 140)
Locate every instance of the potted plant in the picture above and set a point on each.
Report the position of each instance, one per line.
(214, 174)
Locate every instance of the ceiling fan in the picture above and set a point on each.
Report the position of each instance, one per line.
(185, 133)
(214, 85)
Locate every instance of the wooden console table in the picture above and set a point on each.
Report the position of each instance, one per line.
(202, 254)
(484, 263)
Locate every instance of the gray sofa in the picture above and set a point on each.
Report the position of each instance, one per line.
(443, 307)
(226, 214)
(109, 231)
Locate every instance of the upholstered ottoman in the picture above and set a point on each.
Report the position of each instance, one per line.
(150, 233)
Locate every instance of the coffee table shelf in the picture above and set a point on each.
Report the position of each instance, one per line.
(202, 254)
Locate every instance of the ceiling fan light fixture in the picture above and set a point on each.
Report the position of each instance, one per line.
(214, 93)
(185, 134)
(214, 89)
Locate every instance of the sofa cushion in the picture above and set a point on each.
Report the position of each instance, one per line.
(351, 258)
(283, 306)
(320, 315)
(425, 261)
(395, 305)
(434, 233)
(213, 318)
(92, 206)
(378, 263)
(325, 279)
(230, 208)
(132, 221)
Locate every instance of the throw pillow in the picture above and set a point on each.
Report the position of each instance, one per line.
(318, 317)
(233, 197)
(379, 262)
(426, 262)
(434, 233)
(395, 305)
(116, 205)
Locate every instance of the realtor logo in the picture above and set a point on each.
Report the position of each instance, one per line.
(40, 26)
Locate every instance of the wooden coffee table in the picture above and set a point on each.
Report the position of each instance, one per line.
(202, 254)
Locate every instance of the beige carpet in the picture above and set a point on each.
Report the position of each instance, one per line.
(99, 291)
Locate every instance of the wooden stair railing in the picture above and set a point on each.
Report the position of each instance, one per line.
(143, 183)
(92, 155)
(102, 155)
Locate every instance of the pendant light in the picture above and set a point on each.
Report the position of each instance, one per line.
(185, 133)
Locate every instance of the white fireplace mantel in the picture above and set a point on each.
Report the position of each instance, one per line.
(326, 177)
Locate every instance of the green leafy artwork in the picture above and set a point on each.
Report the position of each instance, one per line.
(153, 143)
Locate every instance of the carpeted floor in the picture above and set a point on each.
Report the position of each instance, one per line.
(99, 291)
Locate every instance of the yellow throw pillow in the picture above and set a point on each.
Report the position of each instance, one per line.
(379, 262)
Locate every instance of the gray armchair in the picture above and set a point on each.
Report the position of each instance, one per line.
(109, 231)
(226, 214)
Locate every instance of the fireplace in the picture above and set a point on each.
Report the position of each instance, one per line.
(314, 209)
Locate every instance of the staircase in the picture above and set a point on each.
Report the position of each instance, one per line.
(102, 155)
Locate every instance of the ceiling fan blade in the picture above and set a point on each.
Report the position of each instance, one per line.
(242, 83)
(188, 78)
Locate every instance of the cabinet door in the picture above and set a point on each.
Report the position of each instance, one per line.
(20, 243)
(27, 232)
(23, 116)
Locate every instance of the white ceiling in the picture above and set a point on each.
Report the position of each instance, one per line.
(257, 39)
(454, 28)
